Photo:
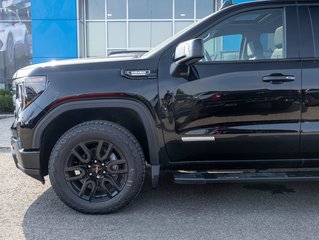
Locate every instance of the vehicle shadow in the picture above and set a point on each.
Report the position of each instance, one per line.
(181, 211)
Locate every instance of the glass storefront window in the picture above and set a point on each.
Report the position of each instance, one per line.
(116, 35)
(95, 41)
(160, 32)
(114, 25)
(204, 8)
(116, 9)
(181, 25)
(162, 9)
(140, 35)
(150, 9)
(95, 9)
(184, 9)
(144, 35)
(139, 9)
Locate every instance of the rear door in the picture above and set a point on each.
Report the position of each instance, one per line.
(243, 102)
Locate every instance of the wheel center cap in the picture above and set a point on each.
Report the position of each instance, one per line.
(96, 169)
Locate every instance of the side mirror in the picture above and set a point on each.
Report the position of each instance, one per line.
(186, 53)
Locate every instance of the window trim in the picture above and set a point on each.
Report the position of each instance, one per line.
(314, 40)
(250, 61)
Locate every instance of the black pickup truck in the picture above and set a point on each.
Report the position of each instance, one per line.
(235, 97)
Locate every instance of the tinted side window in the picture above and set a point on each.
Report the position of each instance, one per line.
(224, 48)
(314, 13)
(252, 35)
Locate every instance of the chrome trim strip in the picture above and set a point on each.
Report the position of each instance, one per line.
(198, 139)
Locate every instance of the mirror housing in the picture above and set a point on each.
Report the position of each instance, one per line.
(186, 54)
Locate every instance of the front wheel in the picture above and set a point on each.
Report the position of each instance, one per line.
(97, 167)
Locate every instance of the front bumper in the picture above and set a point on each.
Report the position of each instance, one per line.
(28, 161)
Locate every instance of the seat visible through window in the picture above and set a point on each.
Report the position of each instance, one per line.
(253, 35)
(254, 51)
(279, 42)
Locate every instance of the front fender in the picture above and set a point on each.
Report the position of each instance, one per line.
(153, 131)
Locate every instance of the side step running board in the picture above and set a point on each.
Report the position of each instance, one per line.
(204, 177)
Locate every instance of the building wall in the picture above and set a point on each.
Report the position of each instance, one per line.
(60, 30)
(54, 27)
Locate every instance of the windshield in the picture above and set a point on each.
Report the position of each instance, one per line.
(172, 38)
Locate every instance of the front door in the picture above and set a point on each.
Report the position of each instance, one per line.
(242, 101)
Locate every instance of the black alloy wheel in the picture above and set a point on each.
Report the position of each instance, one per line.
(96, 170)
(97, 167)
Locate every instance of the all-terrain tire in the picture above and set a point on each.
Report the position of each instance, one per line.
(117, 136)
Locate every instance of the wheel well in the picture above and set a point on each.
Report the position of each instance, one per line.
(125, 117)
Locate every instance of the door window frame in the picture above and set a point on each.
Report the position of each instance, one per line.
(309, 48)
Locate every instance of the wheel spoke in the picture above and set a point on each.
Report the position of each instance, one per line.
(114, 163)
(107, 153)
(98, 150)
(85, 186)
(93, 191)
(104, 181)
(110, 180)
(75, 177)
(86, 151)
(119, 171)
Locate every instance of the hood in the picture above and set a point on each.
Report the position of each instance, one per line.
(73, 64)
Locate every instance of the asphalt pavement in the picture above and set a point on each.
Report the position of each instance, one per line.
(30, 210)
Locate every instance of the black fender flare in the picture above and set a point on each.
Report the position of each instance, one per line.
(152, 132)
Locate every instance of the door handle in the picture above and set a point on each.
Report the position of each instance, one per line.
(278, 78)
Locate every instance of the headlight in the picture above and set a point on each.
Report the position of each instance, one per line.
(29, 88)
